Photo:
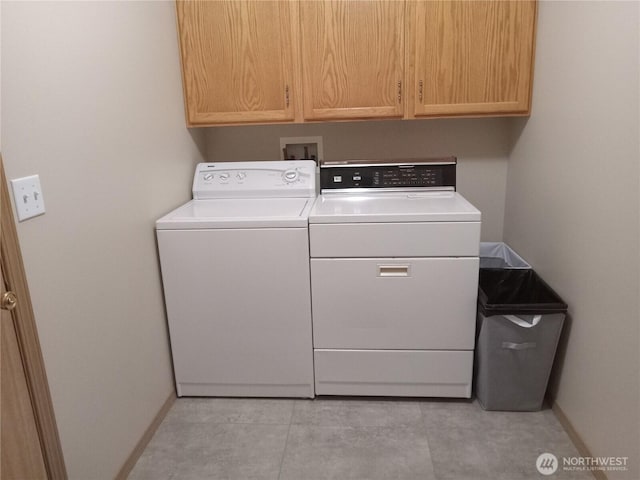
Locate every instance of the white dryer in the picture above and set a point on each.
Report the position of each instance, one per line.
(235, 272)
(394, 275)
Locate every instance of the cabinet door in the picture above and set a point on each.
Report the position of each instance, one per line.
(353, 58)
(471, 57)
(237, 60)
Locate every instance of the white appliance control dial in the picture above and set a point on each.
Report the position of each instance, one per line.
(241, 176)
(208, 177)
(224, 176)
(290, 176)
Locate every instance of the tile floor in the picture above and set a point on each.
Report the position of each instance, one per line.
(350, 439)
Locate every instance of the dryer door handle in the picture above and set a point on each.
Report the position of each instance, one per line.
(394, 271)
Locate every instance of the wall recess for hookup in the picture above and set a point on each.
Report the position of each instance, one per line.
(301, 148)
(27, 196)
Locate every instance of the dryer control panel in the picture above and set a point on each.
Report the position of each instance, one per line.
(419, 174)
(260, 179)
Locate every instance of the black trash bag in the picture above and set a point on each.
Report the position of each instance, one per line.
(516, 292)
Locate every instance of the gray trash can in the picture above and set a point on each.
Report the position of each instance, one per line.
(520, 319)
(500, 255)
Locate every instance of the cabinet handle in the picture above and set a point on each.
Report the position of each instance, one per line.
(286, 95)
(399, 92)
(420, 87)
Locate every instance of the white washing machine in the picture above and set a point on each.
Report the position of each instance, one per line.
(235, 270)
(394, 276)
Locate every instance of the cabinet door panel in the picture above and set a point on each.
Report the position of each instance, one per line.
(353, 58)
(237, 60)
(472, 57)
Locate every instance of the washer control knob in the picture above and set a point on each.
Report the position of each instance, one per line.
(208, 177)
(224, 176)
(241, 175)
(290, 176)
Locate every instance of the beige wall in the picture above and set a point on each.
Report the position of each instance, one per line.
(572, 211)
(92, 103)
(481, 145)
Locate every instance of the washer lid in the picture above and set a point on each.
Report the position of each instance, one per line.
(238, 213)
(393, 207)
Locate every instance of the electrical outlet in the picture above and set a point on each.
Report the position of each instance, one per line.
(27, 195)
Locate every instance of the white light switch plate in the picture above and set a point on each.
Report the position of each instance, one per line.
(27, 195)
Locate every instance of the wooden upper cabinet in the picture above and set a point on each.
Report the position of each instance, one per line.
(352, 58)
(238, 60)
(470, 57)
(266, 61)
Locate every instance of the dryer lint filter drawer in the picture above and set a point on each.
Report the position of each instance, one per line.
(393, 373)
(422, 239)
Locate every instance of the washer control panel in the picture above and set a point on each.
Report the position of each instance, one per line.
(285, 178)
(424, 174)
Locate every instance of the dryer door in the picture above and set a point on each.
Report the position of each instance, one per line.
(393, 303)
